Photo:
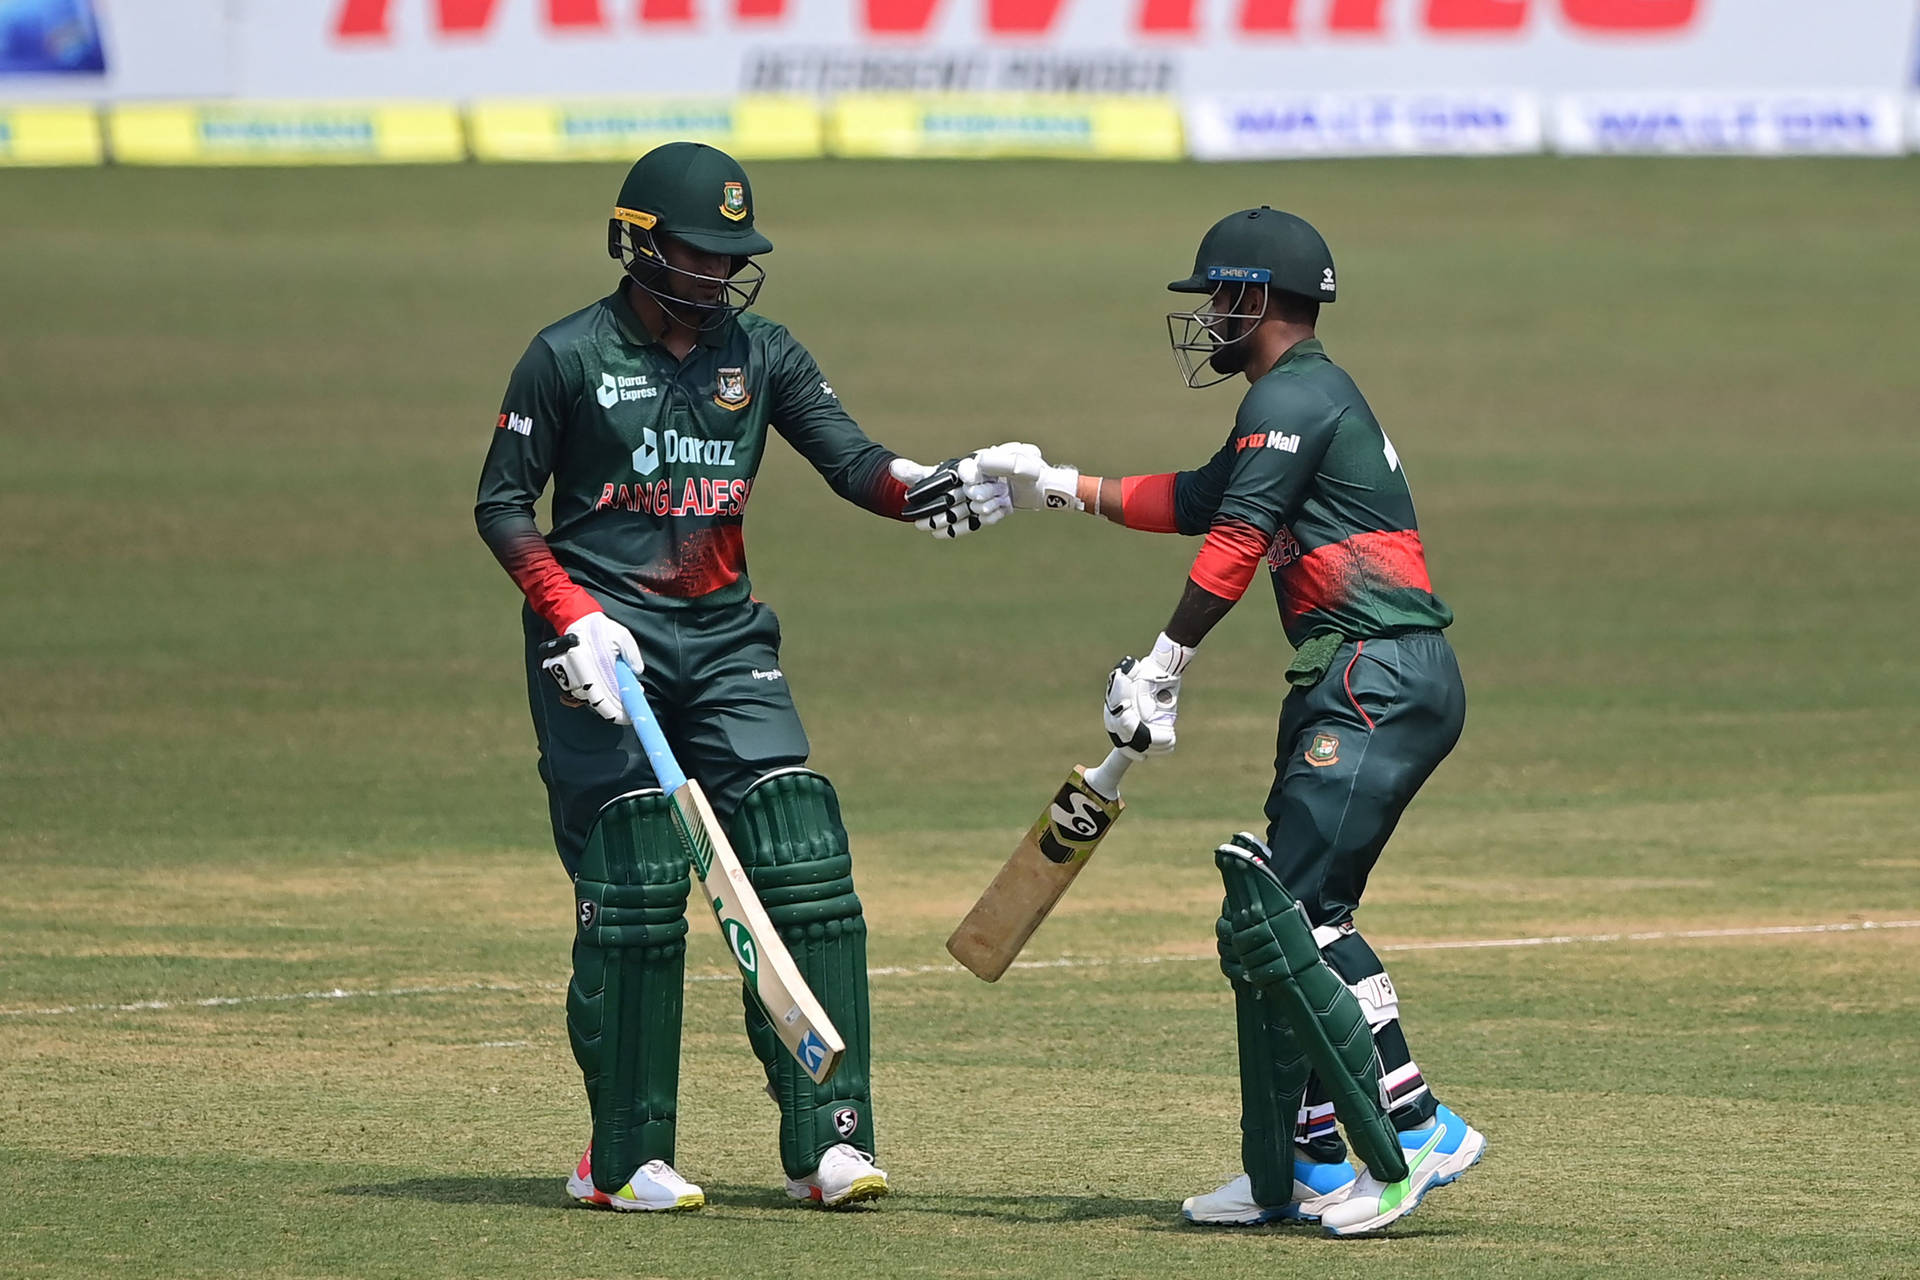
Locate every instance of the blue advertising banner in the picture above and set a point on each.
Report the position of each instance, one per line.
(50, 37)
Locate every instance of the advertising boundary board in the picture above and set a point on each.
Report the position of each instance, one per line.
(1283, 126)
(1243, 127)
(46, 134)
(984, 126)
(239, 133)
(1836, 122)
(750, 128)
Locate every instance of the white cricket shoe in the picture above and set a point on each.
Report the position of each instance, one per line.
(653, 1188)
(1316, 1185)
(1437, 1153)
(847, 1175)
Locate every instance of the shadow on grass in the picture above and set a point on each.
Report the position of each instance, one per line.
(532, 1193)
(1153, 1215)
(1156, 1214)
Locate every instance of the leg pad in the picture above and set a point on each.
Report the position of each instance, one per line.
(629, 964)
(1273, 1076)
(788, 833)
(1268, 932)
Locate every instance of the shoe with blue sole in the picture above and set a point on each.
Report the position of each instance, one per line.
(1316, 1184)
(1437, 1153)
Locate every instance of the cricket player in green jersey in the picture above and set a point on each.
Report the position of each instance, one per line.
(648, 413)
(1308, 484)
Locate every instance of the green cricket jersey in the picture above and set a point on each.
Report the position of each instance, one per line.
(652, 459)
(1308, 466)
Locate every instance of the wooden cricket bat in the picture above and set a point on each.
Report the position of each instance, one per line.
(1049, 856)
(764, 961)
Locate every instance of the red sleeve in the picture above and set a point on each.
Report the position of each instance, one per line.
(1146, 502)
(1229, 558)
(889, 496)
(553, 595)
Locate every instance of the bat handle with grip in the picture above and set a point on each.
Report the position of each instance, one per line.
(1105, 777)
(666, 770)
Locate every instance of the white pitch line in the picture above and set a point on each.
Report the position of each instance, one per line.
(1752, 931)
(218, 1002)
(919, 970)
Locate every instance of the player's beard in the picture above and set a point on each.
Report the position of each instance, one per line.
(671, 288)
(698, 302)
(1230, 357)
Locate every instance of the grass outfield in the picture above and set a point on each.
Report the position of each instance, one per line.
(262, 730)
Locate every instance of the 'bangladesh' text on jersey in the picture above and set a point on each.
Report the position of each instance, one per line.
(1308, 466)
(653, 459)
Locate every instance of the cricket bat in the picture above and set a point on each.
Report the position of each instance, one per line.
(1052, 853)
(766, 965)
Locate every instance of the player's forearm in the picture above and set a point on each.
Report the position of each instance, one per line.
(1222, 572)
(1135, 502)
(853, 466)
(1100, 496)
(872, 486)
(1196, 614)
(517, 544)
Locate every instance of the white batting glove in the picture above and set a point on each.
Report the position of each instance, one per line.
(1143, 697)
(581, 663)
(952, 499)
(1035, 483)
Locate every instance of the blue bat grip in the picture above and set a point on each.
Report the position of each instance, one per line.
(666, 770)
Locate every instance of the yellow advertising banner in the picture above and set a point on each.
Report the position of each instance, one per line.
(50, 135)
(750, 128)
(193, 133)
(1068, 126)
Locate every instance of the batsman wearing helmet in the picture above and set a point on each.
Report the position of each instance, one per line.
(1308, 484)
(648, 413)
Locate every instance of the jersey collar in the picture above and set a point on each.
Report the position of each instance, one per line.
(1305, 347)
(635, 329)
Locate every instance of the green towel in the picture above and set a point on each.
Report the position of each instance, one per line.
(1311, 660)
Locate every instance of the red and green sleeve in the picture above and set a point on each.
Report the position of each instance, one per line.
(1308, 482)
(1245, 493)
(519, 462)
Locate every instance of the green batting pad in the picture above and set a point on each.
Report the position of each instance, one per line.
(629, 963)
(788, 834)
(1273, 1077)
(1270, 936)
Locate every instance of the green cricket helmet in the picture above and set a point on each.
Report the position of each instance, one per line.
(700, 196)
(1263, 247)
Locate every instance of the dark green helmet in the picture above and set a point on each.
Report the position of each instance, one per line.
(700, 196)
(1262, 246)
(1259, 250)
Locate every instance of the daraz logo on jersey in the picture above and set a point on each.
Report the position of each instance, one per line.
(613, 390)
(656, 449)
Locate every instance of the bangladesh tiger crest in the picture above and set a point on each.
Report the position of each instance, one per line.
(1323, 750)
(733, 201)
(730, 389)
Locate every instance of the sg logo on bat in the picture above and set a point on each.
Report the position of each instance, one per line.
(1073, 824)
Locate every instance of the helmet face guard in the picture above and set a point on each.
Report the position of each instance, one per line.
(1205, 339)
(633, 241)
